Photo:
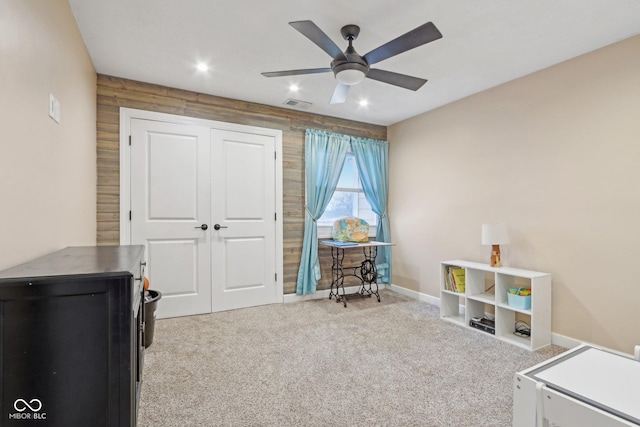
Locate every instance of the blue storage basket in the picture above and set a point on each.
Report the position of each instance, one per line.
(518, 301)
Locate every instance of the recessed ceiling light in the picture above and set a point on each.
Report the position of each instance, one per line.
(294, 88)
(364, 102)
(202, 66)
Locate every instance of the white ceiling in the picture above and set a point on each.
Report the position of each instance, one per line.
(484, 44)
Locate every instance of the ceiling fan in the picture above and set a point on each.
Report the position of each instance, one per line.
(350, 68)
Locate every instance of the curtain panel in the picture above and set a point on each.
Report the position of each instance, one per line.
(324, 155)
(372, 159)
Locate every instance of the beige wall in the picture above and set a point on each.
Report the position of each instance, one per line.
(554, 155)
(47, 170)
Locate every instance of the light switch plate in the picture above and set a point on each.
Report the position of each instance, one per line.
(54, 108)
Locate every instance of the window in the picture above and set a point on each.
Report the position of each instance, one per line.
(348, 200)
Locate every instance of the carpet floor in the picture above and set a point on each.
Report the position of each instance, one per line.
(316, 363)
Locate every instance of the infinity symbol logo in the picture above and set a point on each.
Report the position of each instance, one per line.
(21, 405)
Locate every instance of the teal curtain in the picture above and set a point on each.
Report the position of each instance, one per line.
(324, 155)
(372, 158)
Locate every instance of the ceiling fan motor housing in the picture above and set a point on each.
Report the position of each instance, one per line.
(352, 62)
(352, 68)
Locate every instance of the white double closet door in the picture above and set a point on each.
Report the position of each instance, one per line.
(203, 202)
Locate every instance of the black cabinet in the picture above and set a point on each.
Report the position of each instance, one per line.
(72, 338)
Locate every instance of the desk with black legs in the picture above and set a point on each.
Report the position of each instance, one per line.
(366, 271)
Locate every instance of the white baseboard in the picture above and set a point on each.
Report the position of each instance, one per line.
(416, 295)
(324, 294)
(564, 341)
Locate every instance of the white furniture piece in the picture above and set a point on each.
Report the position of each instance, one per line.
(480, 297)
(585, 386)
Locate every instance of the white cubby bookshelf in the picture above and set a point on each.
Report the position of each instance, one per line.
(486, 291)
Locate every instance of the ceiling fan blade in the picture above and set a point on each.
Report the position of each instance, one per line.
(417, 37)
(396, 79)
(316, 35)
(340, 94)
(296, 72)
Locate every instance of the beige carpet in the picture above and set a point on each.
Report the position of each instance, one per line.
(316, 363)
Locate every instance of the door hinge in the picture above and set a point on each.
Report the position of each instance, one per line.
(275, 155)
(276, 277)
(129, 215)
(275, 216)
(129, 139)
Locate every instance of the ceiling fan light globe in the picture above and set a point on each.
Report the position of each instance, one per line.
(350, 77)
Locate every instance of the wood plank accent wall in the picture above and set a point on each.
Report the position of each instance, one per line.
(114, 92)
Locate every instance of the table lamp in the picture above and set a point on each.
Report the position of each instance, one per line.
(495, 235)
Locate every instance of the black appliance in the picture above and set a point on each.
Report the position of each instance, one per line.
(72, 338)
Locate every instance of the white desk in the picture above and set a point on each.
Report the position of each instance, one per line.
(585, 387)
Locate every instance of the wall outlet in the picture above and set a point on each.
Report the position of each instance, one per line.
(54, 108)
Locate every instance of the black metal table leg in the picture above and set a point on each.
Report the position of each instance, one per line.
(369, 272)
(337, 275)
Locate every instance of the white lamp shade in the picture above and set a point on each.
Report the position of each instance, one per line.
(494, 234)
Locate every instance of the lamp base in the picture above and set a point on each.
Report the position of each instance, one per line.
(495, 255)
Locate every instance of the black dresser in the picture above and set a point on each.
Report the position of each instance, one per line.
(72, 338)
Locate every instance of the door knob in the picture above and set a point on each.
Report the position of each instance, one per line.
(203, 226)
(218, 227)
